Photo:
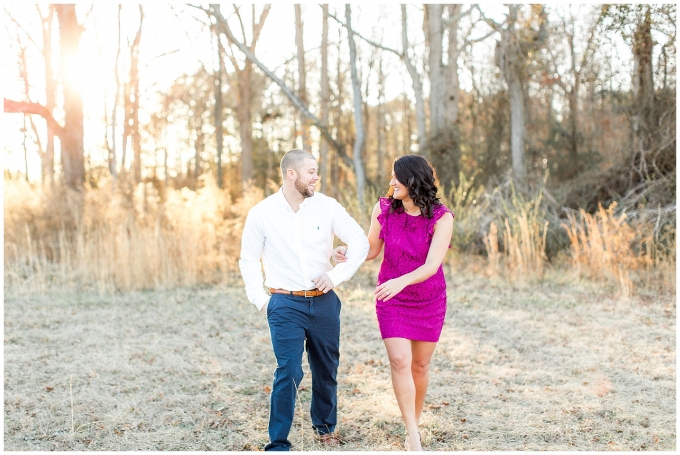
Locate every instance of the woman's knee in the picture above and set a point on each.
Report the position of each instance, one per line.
(420, 367)
(400, 361)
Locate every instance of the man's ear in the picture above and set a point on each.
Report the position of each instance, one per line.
(290, 173)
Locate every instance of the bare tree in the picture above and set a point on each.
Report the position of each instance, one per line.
(380, 126)
(572, 86)
(219, 107)
(47, 159)
(434, 32)
(131, 102)
(325, 98)
(113, 166)
(224, 27)
(302, 73)
(71, 134)
(360, 138)
(510, 58)
(444, 137)
(72, 150)
(241, 85)
(416, 77)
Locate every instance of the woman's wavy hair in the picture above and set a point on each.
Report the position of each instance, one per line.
(418, 176)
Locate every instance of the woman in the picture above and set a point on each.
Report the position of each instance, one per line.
(415, 229)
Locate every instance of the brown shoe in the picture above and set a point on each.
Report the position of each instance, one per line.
(330, 439)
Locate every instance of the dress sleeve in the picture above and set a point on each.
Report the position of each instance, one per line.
(382, 216)
(437, 212)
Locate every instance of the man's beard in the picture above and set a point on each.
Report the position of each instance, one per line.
(303, 189)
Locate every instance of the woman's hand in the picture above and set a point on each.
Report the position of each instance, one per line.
(389, 289)
(339, 254)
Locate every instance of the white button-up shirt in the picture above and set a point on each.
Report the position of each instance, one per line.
(296, 247)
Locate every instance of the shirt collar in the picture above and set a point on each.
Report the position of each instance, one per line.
(282, 199)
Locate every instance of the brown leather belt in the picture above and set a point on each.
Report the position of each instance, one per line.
(310, 293)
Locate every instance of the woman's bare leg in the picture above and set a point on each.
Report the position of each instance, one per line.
(399, 353)
(421, 352)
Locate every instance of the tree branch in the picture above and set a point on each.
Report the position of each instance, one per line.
(458, 16)
(467, 41)
(257, 27)
(223, 26)
(240, 21)
(492, 23)
(20, 27)
(27, 107)
(372, 43)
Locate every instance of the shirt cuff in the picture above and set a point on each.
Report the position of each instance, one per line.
(261, 300)
(335, 277)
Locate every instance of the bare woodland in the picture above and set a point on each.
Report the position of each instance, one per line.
(551, 128)
(540, 124)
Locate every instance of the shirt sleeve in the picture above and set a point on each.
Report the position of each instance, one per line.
(349, 231)
(252, 243)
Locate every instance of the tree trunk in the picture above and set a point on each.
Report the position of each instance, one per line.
(338, 121)
(572, 97)
(358, 121)
(325, 99)
(416, 80)
(134, 101)
(47, 161)
(302, 107)
(245, 125)
(452, 83)
(302, 74)
(244, 83)
(380, 126)
(643, 84)
(113, 165)
(219, 132)
(433, 34)
(219, 108)
(72, 140)
(510, 60)
(198, 146)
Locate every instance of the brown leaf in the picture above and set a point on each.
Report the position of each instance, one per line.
(49, 388)
(267, 389)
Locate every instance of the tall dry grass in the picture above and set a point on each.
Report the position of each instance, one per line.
(517, 250)
(609, 246)
(119, 238)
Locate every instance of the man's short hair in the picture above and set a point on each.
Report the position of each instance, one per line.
(294, 159)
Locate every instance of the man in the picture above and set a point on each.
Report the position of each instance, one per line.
(292, 232)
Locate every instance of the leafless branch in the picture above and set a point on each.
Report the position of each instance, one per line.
(492, 23)
(371, 42)
(27, 107)
(22, 29)
(223, 26)
(240, 21)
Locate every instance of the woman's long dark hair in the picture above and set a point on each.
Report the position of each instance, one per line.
(417, 175)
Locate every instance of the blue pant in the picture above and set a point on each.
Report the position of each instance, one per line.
(296, 324)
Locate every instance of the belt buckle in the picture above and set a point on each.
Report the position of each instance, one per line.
(305, 293)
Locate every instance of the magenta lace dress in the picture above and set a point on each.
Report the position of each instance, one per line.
(417, 312)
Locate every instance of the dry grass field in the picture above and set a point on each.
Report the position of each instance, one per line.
(558, 365)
